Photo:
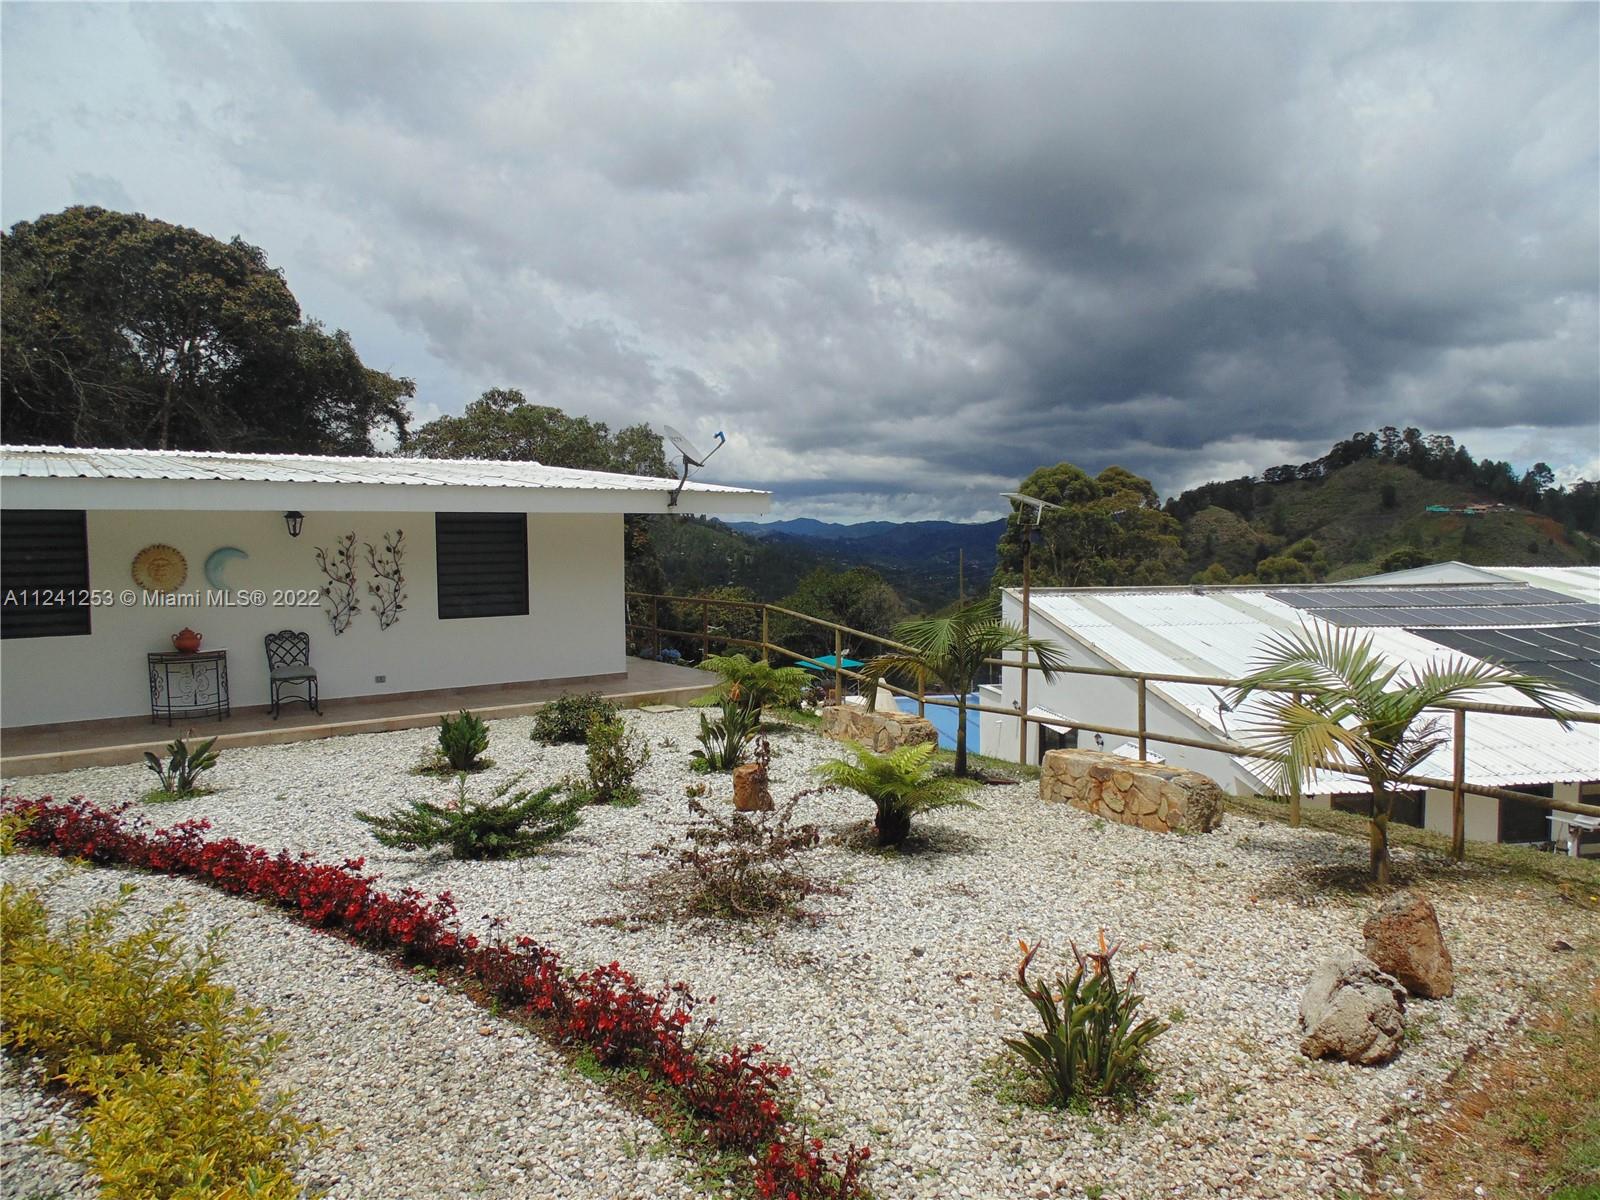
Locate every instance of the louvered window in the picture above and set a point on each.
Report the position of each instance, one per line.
(44, 573)
(483, 564)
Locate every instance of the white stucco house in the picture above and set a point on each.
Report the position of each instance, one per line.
(512, 571)
(1220, 633)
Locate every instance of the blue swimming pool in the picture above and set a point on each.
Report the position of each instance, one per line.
(944, 720)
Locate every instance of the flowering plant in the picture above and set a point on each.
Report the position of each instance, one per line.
(734, 1094)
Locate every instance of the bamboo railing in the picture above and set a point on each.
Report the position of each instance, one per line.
(1458, 786)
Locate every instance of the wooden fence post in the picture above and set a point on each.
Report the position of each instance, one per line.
(705, 629)
(1458, 797)
(838, 667)
(1142, 742)
(766, 641)
(655, 622)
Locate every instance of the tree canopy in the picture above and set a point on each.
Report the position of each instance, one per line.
(501, 424)
(122, 330)
(1109, 530)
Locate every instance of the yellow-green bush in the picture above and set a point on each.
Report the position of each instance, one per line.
(169, 1061)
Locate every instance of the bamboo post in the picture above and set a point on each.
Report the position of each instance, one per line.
(766, 640)
(705, 629)
(1143, 744)
(922, 696)
(1022, 697)
(655, 621)
(1458, 797)
(838, 667)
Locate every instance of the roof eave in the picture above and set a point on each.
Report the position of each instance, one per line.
(237, 495)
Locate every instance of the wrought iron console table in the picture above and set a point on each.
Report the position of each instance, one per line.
(187, 685)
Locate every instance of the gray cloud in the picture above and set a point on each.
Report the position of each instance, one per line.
(902, 254)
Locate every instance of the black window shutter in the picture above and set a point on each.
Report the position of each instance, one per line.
(483, 564)
(44, 571)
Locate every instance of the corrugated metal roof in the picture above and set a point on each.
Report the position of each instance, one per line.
(1222, 633)
(25, 462)
(1581, 583)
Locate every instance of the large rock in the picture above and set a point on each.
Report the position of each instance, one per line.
(1404, 939)
(1149, 795)
(1352, 1010)
(750, 790)
(879, 732)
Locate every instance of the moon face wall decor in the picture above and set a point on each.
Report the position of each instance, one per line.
(217, 560)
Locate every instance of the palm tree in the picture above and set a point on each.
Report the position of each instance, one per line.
(952, 650)
(1347, 705)
(901, 784)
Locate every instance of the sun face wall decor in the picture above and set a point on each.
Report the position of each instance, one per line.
(160, 568)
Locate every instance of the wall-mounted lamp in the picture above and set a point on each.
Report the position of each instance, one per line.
(295, 521)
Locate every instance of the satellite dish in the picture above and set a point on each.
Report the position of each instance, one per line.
(692, 458)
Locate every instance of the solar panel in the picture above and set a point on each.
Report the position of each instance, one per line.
(1569, 657)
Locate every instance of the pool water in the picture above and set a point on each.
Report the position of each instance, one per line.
(944, 720)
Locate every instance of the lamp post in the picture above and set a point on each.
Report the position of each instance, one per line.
(1030, 536)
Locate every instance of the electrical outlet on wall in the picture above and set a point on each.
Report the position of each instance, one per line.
(380, 679)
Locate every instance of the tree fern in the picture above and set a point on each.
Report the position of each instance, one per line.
(901, 784)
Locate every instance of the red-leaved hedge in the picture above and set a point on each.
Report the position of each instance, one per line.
(733, 1096)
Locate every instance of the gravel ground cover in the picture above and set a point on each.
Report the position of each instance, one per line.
(890, 1003)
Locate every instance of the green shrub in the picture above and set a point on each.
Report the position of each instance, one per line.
(723, 741)
(462, 739)
(168, 1060)
(1090, 1045)
(568, 718)
(509, 825)
(757, 683)
(901, 784)
(180, 773)
(613, 760)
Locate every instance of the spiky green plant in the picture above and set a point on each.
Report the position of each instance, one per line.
(508, 825)
(723, 741)
(180, 772)
(757, 683)
(1090, 1044)
(951, 651)
(1348, 706)
(901, 784)
(462, 738)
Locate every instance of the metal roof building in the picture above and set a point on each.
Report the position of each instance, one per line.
(1221, 632)
(407, 575)
(59, 476)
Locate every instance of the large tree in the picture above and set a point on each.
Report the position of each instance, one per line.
(502, 424)
(1109, 530)
(121, 330)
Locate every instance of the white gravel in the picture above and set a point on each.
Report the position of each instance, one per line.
(890, 1006)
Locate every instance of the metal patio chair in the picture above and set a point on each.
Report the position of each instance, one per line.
(289, 665)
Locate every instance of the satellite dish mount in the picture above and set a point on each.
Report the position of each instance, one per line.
(692, 458)
(1038, 506)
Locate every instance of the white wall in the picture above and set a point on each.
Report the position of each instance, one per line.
(574, 624)
(1102, 701)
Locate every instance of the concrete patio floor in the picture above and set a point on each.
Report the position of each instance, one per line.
(45, 749)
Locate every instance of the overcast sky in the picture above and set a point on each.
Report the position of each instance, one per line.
(902, 255)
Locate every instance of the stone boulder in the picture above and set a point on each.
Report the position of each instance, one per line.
(1352, 1010)
(1152, 796)
(1404, 939)
(879, 732)
(750, 790)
